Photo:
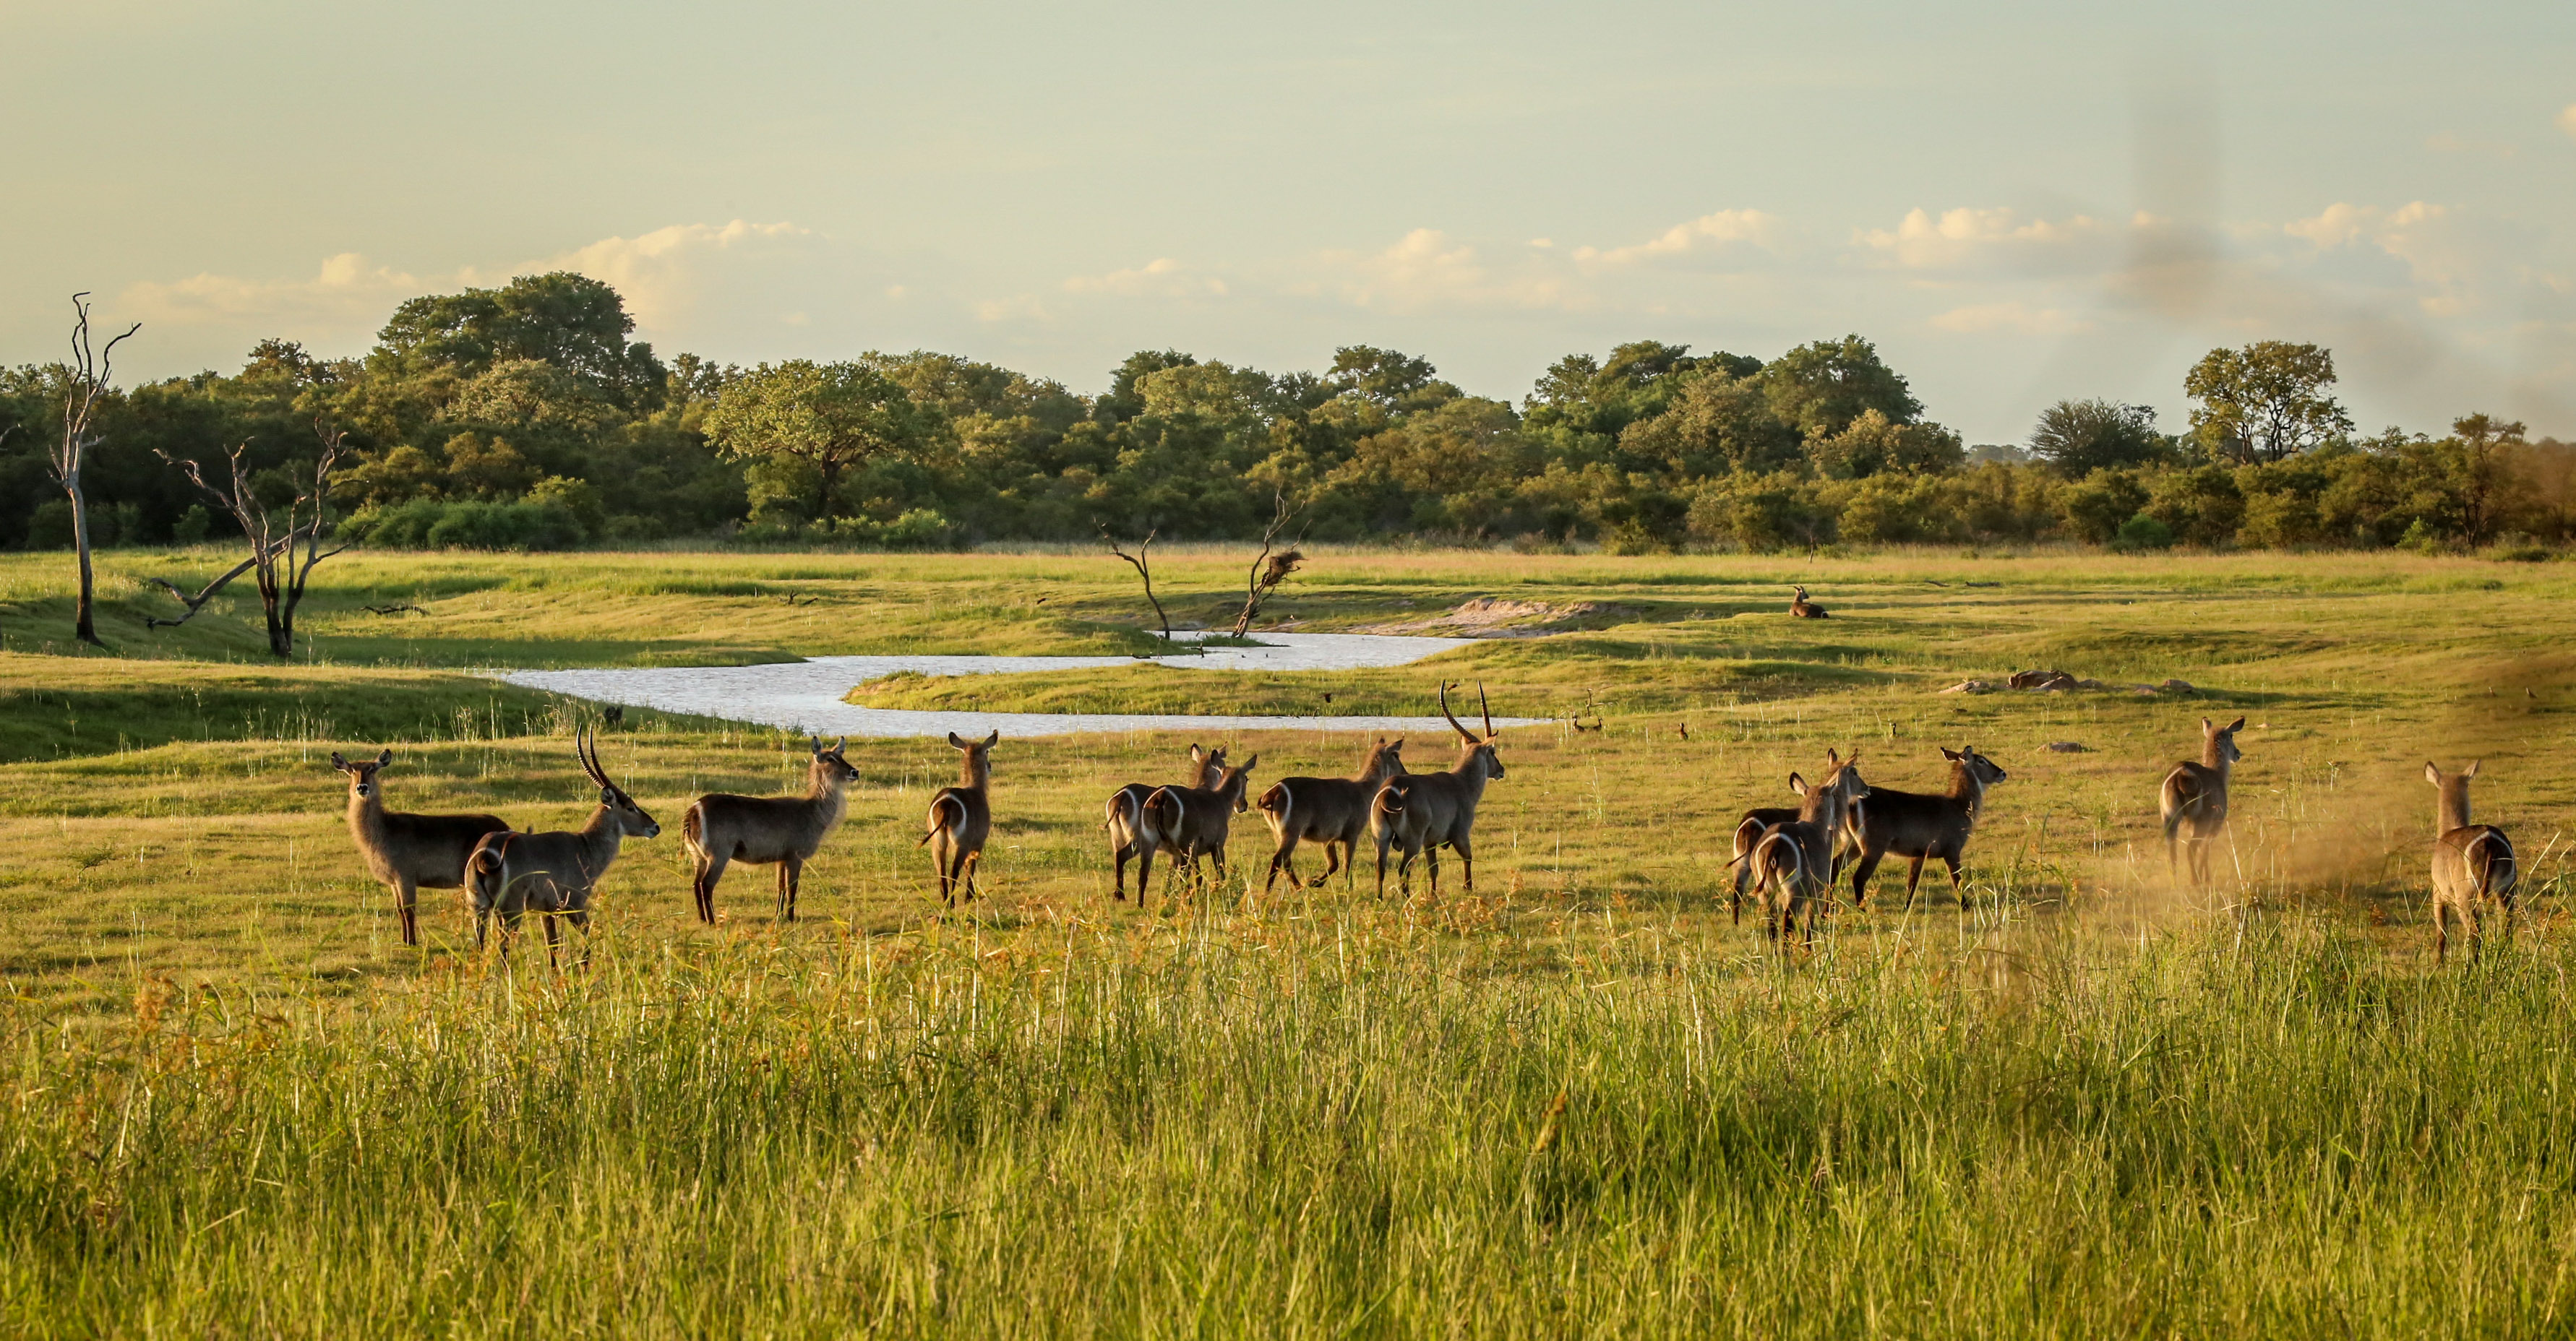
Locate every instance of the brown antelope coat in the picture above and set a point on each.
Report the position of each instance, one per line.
(785, 831)
(408, 852)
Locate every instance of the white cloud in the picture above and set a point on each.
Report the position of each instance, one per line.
(1427, 270)
(1709, 232)
(662, 274)
(347, 292)
(2440, 249)
(2013, 317)
(1161, 277)
(1967, 237)
(2567, 119)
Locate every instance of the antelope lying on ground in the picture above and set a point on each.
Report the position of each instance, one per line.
(1793, 863)
(2473, 866)
(720, 828)
(408, 852)
(1916, 826)
(2194, 796)
(961, 818)
(554, 873)
(1328, 811)
(1129, 835)
(1194, 822)
(1802, 608)
(1761, 820)
(1417, 812)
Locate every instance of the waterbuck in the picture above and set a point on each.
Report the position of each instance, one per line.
(2473, 866)
(720, 828)
(1194, 822)
(961, 818)
(1762, 819)
(554, 873)
(408, 852)
(2194, 796)
(1793, 862)
(1802, 608)
(1131, 838)
(1328, 811)
(1918, 826)
(1417, 812)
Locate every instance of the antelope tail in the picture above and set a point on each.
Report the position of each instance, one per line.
(693, 829)
(945, 803)
(1275, 800)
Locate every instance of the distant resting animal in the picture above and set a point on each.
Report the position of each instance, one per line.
(1802, 608)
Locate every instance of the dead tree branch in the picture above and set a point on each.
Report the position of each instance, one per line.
(283, 549)
(1140, 562)
(87, 382)
(196, 602)
(1268, 569)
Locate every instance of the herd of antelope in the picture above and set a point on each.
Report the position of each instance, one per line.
(1790, 860)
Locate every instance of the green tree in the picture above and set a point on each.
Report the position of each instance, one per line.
(1718, 423)
(2078, 437)
(2265, 402)
(571, 321)
(2097, 507)
(828, 417)
(1820, 388)
(1393, 382)
(1873, 444)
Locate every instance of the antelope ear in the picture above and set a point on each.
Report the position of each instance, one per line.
(2433, 773)
(1197, 755)
(385, 758)
(338, 762)
(2207, 726)
(1797, 784)
(953, 740)
(1246, 765)
(1954, 756)
(608, 796)
(2472, 770)
(814, 743)
(1833, 758)
(993, 739)
(840, 745)
(2236, 726)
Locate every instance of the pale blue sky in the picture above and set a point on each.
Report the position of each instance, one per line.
(2018, 202)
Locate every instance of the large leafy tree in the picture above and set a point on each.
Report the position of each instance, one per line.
(571, 321)
(2265, 402)
(1819, 389)
(830, 416)
(2078, 437)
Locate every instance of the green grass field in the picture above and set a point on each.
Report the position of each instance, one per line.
(1580, 1101)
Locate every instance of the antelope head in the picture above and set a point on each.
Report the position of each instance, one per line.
(829, 767)
(1479, 749)
(1239, 779)
(1983, 771)
(631, 818)
(2222, 739)
(979, 753)
(362, 774)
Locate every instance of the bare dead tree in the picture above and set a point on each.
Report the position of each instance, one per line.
(84, 387)
(1268, 569)
(283, 569)
(1141, 564)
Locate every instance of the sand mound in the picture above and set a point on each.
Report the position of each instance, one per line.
(1493, 617)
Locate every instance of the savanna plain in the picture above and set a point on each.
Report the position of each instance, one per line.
(1580, 1100)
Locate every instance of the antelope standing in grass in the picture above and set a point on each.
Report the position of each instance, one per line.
(1761, 820)
(1793, 862)
(1195, 822)
(1328, 811)
(1802, 608)
(554, 873)
(1417, 812)
(1918, 826)
(2194, 797)
(408, 852)
(2473, 866)
(961, 818)
(720, 828)
(1131, 838)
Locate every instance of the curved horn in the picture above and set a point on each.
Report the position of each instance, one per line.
(588, 746)
(1463, 733)
(1488, 709)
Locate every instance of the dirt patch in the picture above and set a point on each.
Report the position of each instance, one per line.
(2059, 682)
(1493, 617)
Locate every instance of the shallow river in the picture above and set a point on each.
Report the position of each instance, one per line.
(806, 695)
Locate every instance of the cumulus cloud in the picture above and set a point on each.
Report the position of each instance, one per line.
(346, 292)
(663, 274)
(2010, 317)
(1161, 277)
(1428, 270)
(1707, 233)
(2567, 119)
(2443, 251)
(1970, 237)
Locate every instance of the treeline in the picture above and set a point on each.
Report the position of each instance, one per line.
(527, 417)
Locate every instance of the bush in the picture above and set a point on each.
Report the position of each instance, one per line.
(2201, 506)
(918, 529)
(431, 524)
(2142, 532)
(2096, 508)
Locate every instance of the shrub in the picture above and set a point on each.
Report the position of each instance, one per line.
(2097, 507)
(431, 524)
(2142, 532)
(2201, 506)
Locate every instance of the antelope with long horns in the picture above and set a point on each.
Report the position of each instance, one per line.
(1802, 608)
(1417, 812)
(961, 818)
(2473, 866)
(1131, 838)
(2194, 797)
(1761, 820)
(555, 873)
(1329, 811)
(1918, 826)
(1793, 862)
(407, 852)
(1195, 822)
(785, 831)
